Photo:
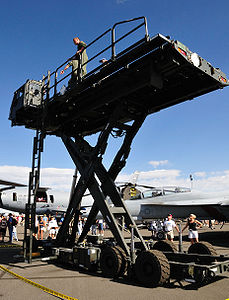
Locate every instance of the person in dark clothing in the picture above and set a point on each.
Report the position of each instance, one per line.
(10, 227)
(3, 226)
(193, 225)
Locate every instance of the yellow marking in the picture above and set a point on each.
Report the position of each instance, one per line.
(43, 288)
(10, 246)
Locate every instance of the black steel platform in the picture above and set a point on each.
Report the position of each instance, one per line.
(150, 75)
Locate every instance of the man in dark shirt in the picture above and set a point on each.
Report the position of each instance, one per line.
(10, 227)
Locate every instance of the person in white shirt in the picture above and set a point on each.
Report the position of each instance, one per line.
(169, 225)
(53, 227)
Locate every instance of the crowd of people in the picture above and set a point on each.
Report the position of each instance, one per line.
(9, 222)
(47, 226)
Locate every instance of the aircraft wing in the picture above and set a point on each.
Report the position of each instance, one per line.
(9, 185)
(5, 182)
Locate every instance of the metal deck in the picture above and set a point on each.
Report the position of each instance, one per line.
(149, 76)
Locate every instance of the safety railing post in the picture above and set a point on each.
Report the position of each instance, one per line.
(55, 84)
(43, 89)
(146, 29)
(48, 84)
(113, 43)
(79, 70)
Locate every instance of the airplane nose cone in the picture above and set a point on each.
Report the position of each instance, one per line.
(1, 203)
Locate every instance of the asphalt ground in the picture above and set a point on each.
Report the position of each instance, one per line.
(83, 285)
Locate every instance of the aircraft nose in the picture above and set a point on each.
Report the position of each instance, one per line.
(1, 203)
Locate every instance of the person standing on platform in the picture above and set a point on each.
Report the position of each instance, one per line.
(80, 56)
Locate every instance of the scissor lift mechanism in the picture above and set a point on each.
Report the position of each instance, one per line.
(113, 100)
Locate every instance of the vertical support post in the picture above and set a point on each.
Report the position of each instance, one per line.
(43, 89)
(79, 70)
(180, 239)
(113, 43)
(73, 183)
(48, 85)
(146, 29)
(55, 85)
(132, 246)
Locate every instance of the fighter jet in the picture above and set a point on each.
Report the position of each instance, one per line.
(158, 202)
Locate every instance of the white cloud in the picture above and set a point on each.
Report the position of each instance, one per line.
(50, 177)
(157, 163)
(216, 182)
(200, 174)
(156, 177)
(15, 173)
(61, 179)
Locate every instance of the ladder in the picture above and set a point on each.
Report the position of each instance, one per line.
(34, 178)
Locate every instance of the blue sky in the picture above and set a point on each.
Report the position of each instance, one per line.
(190, 138)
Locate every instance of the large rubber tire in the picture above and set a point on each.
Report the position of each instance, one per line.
(110, 262)
(167, 246)
(202, 248)
(152, 268)
(124, 264)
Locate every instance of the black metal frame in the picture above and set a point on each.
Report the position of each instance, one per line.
(100, 182)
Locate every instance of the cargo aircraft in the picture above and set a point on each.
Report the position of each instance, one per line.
(151, 203)
(14, 196)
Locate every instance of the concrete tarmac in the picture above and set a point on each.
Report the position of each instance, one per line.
(83, 285)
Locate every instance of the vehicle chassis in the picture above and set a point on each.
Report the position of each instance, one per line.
(197, 269)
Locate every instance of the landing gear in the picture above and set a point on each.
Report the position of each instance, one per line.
(152, 268)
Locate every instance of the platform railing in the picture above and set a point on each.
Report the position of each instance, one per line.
(51, 82)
